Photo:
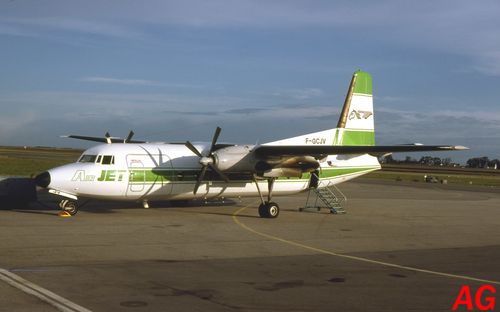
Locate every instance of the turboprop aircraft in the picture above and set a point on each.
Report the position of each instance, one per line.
(126, 169)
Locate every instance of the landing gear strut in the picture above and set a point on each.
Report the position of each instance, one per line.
(267, 209)
(69, 206)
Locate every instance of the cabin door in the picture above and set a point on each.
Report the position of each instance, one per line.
(149, 175)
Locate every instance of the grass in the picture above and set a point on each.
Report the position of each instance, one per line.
(26, 167)
(451, 178)
(20, 161)
(17, 161)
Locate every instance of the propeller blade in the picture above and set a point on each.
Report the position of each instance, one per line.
(220, 173)
(108, 138)
(129, 137)
(206, 164)
(151, 156)
(200, 178)
(214, 139)
(193, 149)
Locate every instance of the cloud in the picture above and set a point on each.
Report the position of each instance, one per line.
(137, 82)
(299, 94)
(191, 113)
(476, 130)
(461, 28)
(436, 127)
(85, 25)
(128, 82)
(247, 111)
(38, 118)
(11, 30)
(489, 63)
(13, 122)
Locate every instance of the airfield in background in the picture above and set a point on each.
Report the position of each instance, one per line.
(29, 161)
(403, 245)
(222, 257)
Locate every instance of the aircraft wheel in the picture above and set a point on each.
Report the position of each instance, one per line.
(70, 207)
(273, 210)
(262, 211)
(269, 210)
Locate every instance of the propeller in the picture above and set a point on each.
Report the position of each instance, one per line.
(108, 138)
(207, 160)
(129, 137)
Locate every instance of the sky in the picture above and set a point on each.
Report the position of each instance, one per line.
(261, 70)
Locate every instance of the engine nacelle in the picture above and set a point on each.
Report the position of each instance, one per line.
(238, 158)
(282, 172)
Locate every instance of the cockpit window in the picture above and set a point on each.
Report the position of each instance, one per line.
(87, 158)
(108, 160)
(98, 159)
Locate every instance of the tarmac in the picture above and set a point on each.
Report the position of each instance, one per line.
(400, 247)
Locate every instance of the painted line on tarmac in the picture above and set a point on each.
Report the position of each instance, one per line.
(340, 255)
(43, 294)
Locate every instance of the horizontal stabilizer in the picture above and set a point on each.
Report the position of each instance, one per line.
(322, 150)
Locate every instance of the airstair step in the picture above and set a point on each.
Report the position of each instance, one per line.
(326, 197)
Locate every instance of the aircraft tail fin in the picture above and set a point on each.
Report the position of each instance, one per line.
(355, 125)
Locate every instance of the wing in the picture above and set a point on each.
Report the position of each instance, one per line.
(319, 151)
(101, 139)
(106, 139)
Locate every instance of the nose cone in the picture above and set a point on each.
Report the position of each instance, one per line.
(43, 179)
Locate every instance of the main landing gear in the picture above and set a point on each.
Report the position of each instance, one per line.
(267, 209)
(68, 207)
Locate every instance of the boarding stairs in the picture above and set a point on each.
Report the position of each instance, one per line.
(329, 197)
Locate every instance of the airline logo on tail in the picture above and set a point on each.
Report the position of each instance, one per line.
(358, 114)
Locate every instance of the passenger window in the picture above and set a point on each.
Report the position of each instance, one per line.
(108, 160)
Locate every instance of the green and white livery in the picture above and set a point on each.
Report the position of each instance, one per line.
(140, 171)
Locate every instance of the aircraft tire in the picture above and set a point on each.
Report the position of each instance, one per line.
(273, 210)
(269, 210)
(263, 211)
(71, 207)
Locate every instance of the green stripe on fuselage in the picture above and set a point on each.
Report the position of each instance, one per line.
(158, 175)
(331, 173)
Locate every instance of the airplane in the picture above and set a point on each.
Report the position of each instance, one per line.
(133, 170)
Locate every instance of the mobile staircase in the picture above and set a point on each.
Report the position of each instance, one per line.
(329, 197)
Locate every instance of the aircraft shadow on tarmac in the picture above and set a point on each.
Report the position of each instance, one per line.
(21, 195)
(44, 203)
(16, 192)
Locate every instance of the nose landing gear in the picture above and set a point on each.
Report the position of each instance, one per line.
(68, 208)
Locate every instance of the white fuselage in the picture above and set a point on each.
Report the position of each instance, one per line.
(169, 172)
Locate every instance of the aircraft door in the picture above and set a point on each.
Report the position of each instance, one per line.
(314, 180)
(149, 175)
(137, 176)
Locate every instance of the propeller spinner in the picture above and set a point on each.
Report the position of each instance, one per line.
(207, 160)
